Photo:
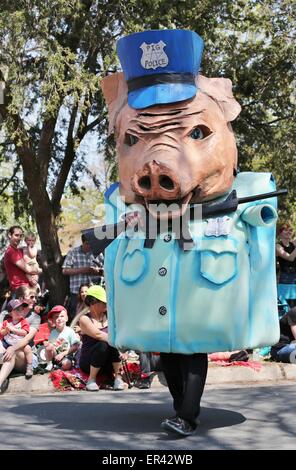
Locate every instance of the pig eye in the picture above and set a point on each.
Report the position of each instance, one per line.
(130, 139)
(199, 133)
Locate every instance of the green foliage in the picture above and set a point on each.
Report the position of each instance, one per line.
(57, 51)
(79, 212)
(253, 44)
(87, 208)
(54, 54)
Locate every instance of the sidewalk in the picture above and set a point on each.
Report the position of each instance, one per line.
(217, 374)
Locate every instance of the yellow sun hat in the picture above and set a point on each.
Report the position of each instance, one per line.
(98, 292)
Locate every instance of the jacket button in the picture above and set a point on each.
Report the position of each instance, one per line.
(167, 238)
(162, 271)
(162, 310)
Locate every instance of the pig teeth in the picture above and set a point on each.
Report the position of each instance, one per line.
(156, 208)
(166, 202)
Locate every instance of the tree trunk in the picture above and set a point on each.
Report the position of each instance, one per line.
(35, 180)
(51, 258)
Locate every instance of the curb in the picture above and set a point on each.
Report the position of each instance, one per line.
(37, 384)
(217, 374)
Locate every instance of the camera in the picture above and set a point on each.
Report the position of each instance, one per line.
(42, 299)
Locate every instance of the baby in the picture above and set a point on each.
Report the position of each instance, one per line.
(30, 257)
(14, 329)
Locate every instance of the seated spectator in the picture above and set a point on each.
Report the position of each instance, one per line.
(30, 257)
(14, 356)
(62, 342)
(28, 294)
(42, 306)
(96, 354)
(81, 306)
(149, 363)
(15, 328)
(285, 349)
(286, 258)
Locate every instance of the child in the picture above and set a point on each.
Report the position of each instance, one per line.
(30, 257)
(62, 342)
(15, 328)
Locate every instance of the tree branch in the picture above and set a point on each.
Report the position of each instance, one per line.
(82, 124)
(66, 165)
(6, 144)
(279, 119)
(10, 179)
(90, 126)
(264, 124)
(83, 128)
(24, 148)
(45, 145)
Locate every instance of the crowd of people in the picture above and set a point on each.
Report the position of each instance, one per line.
(78, 330)
(85, 345)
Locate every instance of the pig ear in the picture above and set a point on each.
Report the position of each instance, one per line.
(114, 89)
(220, 89)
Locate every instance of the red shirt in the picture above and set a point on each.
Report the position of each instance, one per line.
(13, 338)
(16, 276)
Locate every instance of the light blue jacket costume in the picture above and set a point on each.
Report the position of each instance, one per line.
(220, 296)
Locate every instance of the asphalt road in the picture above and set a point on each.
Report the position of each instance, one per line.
(237, 417)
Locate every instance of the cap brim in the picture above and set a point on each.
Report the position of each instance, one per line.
(54, 312)
(51, 314)
(23, 304)
(160, 94)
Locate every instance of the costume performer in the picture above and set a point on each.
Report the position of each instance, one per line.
(175, 146)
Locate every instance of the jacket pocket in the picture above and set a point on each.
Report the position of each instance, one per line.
(218, 259)
(134, 263)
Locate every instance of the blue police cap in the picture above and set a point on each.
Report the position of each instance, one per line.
(160, 66)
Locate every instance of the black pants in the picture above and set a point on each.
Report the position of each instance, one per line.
(71, 306)
(149, 362)
(186, 376)
(100, 355)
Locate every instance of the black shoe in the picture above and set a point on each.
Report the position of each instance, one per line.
(239, 356)
(4, 386)
(172, 418)
(179, 425)
(143, 383)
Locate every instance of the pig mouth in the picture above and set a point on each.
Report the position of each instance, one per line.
(164, 209)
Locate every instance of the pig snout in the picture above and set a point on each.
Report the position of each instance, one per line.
(155, 181)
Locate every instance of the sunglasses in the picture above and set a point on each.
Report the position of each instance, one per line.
(91, 301)
(30, 297)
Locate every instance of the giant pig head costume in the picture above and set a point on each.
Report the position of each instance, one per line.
(175, 145)
(172, 126)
